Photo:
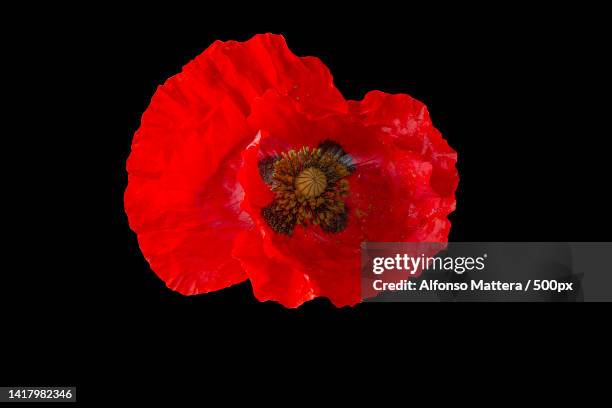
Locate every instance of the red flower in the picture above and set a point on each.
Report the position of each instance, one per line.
(251, 164)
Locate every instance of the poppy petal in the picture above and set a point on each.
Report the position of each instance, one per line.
(392, 197)
(182, 198)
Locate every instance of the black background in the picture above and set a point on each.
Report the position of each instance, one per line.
(518, 94)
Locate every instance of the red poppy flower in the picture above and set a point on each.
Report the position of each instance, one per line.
(250, 164)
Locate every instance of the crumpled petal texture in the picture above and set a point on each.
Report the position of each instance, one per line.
(194, 195)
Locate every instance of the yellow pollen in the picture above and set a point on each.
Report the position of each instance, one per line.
(311, 182)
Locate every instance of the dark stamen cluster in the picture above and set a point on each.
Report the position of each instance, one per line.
(310, 188)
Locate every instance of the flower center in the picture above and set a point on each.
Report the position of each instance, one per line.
(310, 186)
(310, 183)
